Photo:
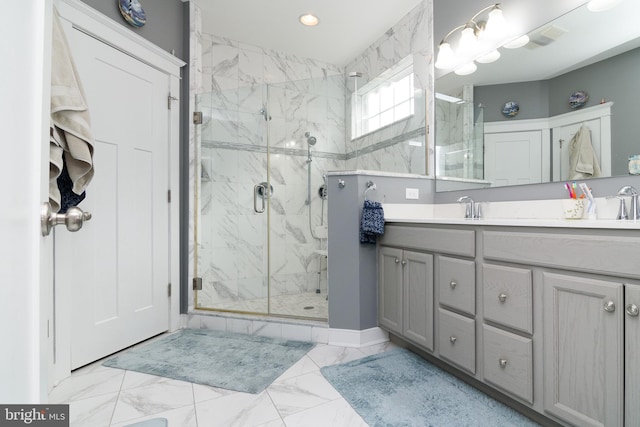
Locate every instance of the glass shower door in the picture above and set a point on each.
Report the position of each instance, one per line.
(233, 191)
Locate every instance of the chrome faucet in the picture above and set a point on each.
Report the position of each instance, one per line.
(469, 211)
(634, 212)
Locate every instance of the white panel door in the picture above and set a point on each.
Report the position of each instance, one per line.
(513, 158)
(116, 268)
(562, 136)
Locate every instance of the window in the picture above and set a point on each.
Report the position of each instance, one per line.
(384, 100)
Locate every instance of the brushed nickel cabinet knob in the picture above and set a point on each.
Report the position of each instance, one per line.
(609, 306)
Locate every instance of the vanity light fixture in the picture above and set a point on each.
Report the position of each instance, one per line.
(602, 5)
(309, 20)
(466, 69)
(487, 58)
(479, 41)
(516, 43)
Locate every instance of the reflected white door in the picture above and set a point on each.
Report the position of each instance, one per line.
(115, 270)
(513, 158)
(562, 136)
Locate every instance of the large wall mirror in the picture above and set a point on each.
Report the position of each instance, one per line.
(572, 52)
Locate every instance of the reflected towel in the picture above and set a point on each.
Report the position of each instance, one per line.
(582, 159)
(371, 222)
(70, 127)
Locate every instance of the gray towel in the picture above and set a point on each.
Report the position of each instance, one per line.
(371, 222)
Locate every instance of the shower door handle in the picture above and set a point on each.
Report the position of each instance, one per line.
(259, 190)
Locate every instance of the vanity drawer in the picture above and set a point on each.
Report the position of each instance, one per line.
(422, 238)
(508, 362)
(457, 339)
(507, 296)
(457, 284)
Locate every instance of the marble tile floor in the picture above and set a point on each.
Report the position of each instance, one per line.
(100, 396)
(303, 305)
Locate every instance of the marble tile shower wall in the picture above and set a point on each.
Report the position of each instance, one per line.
(450, 140)
(459, 144)
(384, 150)
(239, 83)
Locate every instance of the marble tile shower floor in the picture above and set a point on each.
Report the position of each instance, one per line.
(308, 304)
(100, 396)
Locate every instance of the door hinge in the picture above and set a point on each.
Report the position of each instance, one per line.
(197, 283)
(169, 99)
(169, 290)
(168, 196)
(197, 117)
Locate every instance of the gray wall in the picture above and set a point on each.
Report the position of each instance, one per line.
(165, 23)
(532, 97)
(353, 280)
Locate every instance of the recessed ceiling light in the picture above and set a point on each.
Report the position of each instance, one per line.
(309, 20)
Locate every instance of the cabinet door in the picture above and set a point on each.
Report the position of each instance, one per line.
(390, 289)
(418, 298)
(583, 363)
(632, 355)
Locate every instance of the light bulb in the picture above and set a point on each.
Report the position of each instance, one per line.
(309, 20)
(466, 69)
(468, 42)
(446, 56)
(487, 58)
(496, 26)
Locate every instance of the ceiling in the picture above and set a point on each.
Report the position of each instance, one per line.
(346, 29)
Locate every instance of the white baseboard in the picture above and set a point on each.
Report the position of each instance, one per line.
(353, 338)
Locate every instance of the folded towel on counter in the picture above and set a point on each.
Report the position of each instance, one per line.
(371, 222)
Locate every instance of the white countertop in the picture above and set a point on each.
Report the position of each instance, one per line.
(538, 213)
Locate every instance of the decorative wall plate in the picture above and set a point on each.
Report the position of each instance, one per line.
(510, 109)
(132, 12)
(578, 99)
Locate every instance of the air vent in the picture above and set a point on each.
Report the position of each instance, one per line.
(546, 36)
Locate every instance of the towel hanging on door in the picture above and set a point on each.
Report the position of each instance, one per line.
(583, 162)
(70, 128)
(371, 222)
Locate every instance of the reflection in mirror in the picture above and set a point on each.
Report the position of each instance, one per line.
(580, 51)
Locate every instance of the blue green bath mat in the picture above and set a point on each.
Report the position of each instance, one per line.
(399, 388)
(246, 363)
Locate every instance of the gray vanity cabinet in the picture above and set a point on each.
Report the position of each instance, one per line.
(405, 303)
(390, 289)
(583, 352)
(406, 256)
(632, 355)
(507, 307)
(551, 315)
